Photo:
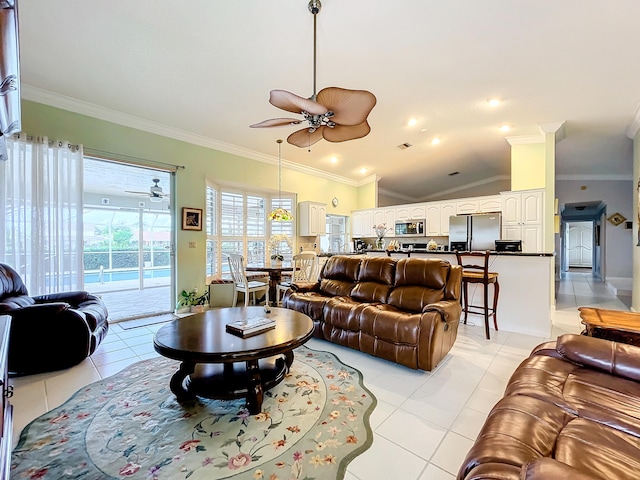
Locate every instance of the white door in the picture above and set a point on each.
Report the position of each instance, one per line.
(580, 244)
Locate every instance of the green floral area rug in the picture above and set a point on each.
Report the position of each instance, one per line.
(130, 426)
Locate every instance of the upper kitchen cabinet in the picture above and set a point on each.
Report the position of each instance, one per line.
(522, 208)
(312, 219)
(362, 223)
(411, 212)
(490, 203)
(386, 216)
(447, 209)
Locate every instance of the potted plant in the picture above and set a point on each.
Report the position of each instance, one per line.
(191, 300)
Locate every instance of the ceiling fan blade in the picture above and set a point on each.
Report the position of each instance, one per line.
(302, 138)
(342, 133)
(137, 193)
(276, 122)
(350, 107)
(293, 103)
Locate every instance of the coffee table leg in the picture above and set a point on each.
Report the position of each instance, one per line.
(177, 380)
(288, 356)
(254, 387)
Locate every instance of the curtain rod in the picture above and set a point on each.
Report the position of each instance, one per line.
(123, 158)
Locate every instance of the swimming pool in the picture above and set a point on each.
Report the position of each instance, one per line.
(129, 274)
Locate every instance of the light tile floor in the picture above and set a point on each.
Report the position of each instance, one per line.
(424, 423)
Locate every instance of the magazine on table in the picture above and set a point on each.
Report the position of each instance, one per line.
(251, 325)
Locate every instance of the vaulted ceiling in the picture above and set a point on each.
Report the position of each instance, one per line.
(205, 68)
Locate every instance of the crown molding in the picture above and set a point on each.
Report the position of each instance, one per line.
(525, 139)
(554, 127)
(612, 177)
(399, 196)
(35, 94)
(439, 195)
(367, 180)
(634, 126)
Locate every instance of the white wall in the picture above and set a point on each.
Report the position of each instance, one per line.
(618, 196)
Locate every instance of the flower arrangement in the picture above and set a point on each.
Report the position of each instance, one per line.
(380, 230)
(275, 244)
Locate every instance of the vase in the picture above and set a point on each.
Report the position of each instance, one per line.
(276, 263)
(379, 244)
(197, 308)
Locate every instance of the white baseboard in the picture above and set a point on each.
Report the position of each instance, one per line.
(620, 285)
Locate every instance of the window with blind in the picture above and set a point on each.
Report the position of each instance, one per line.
(237, 223)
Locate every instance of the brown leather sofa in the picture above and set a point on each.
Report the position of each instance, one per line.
(571, 411)
(406, 311)
(49, 332)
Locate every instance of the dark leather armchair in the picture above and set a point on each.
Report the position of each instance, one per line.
(49, 332)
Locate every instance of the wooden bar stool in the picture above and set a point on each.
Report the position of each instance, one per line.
(476, 271)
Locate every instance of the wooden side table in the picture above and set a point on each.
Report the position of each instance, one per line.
(614, 325)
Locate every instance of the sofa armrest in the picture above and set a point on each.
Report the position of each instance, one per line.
(449, 310)
(618, 359)
(546, 468)
(72, 298)
(305, 287)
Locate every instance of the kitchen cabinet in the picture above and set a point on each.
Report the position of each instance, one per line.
(522, 218)
(490, 204)
(411, 212)
(386, 216)
(434, 225)
(312, 219)
(447, 209)
(468, 205)
(362, 223)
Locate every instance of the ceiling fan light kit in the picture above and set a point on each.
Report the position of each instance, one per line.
(335, 114)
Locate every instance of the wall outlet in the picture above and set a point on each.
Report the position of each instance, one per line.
(141, 204)
(105, 201)
(192, 244)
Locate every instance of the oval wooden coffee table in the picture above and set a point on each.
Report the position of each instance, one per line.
(217, 364)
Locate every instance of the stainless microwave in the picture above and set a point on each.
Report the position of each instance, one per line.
(410, 228)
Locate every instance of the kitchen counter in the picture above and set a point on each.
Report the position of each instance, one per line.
(526, 288)
(331, 254)
(441, 252)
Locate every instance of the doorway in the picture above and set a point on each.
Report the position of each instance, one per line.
(580, 245)
(128, 238)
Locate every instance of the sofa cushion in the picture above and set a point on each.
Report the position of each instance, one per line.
(418, 282)
(339, 275)
(375, 279)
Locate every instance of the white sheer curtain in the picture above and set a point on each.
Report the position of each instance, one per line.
(41, 203)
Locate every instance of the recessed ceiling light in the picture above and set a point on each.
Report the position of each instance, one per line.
(412, 122)
(363, 170)
(334, 160)
(423, 130)
(435, 141)
(494, 102)
(505, 128)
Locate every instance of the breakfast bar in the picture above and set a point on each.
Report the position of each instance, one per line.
(526, 289)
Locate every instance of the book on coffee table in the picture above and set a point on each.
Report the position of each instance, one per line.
(251, 326)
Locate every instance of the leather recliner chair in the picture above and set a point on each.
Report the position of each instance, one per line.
(49, 332)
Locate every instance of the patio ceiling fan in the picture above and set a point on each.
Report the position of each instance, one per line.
(155, 193)
(335, 114)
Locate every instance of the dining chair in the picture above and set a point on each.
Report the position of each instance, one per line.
(475, 270)
(304, 271)
(236, 267)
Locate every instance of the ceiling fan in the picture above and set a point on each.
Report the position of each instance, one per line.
(335, 114)
(155, 192)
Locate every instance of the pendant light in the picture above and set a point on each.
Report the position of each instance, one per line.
(280, 214)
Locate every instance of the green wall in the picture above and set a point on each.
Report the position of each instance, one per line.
(201, 164)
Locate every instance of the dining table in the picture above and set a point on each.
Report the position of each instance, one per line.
(274, 270)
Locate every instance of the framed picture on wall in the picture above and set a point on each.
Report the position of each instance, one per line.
(191, 218)
(616, 219)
